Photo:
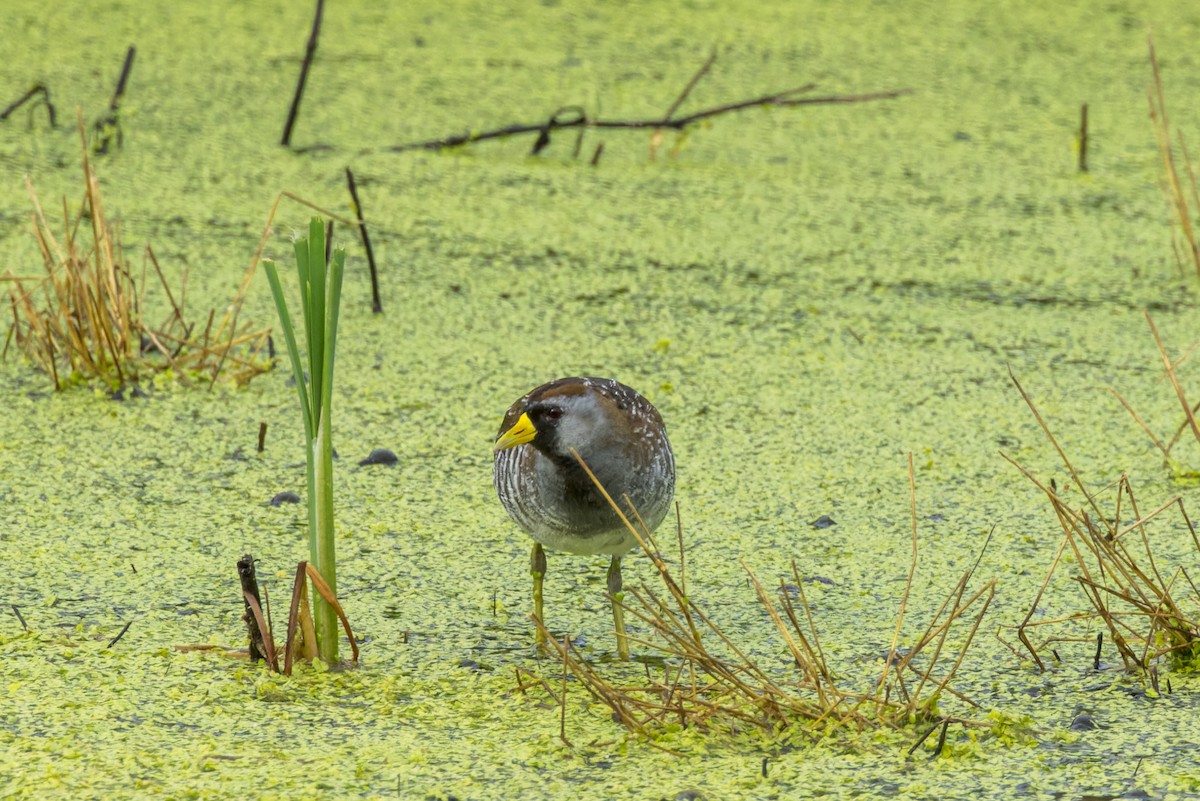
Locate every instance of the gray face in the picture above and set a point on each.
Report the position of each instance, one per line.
(566, 422)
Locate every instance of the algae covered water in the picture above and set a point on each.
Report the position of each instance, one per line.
(806, 294)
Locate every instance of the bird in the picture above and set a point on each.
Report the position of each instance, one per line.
(621, 437)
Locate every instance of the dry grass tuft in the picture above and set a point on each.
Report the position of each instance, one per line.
(710, 682)
(1150, 612)
(86, 316)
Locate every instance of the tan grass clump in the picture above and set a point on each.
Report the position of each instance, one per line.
(85, 317)
(711, 683)
(1149, 610)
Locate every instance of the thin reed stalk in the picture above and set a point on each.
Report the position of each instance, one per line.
(1182, 190)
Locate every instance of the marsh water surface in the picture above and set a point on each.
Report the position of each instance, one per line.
(806, 294)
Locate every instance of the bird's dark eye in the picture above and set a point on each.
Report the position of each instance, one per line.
(554, 412)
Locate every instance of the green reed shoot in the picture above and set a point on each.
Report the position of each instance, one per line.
(321, 291)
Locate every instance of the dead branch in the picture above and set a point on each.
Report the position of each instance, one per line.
(576, 117)
(38, 89)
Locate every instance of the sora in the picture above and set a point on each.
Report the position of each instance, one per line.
(620, 436)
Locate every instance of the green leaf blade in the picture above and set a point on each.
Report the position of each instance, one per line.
(289, 336)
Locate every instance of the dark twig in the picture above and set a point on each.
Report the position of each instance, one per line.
(123, 81)
(38, 89)
(924, 737)
(110, 125)
(556, 121)
(944, 725)
(657, 137)
(310, 50)
(941, 739)
(786, 98)
(17, 611)
(1083, 137)
(687, 90)
(262, 436)
(117, 639)
(249, 582)
(376, 303)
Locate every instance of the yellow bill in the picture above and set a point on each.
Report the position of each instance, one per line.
(522, 432)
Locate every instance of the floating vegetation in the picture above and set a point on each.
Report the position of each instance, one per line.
(709, 681)
(86, 317)
(1151, 611)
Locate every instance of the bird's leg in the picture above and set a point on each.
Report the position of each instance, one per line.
(537, 568)
(616, 596)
